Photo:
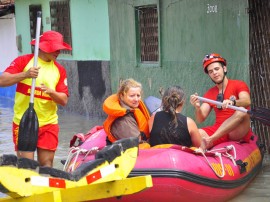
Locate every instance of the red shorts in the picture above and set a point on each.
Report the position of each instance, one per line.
(210, 130)
(47, 136)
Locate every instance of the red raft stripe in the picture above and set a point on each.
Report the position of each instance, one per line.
(48, 182)
(100, 173)
(93, 177)
(59, 183)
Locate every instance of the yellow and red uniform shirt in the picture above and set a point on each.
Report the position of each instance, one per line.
(52, 74)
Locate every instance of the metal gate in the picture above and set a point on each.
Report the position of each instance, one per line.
(259, 24)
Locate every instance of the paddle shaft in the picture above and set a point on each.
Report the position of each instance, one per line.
(32, 93)
(220, 104)
(28, 128)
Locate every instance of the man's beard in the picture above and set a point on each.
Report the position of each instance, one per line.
(224, 74)
(218, 82)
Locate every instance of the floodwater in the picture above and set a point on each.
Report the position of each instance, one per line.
(71, 124)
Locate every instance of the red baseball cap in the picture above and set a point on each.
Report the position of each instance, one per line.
(51, 41)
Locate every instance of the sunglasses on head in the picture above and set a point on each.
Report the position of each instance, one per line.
(211, 56)
(220, 98)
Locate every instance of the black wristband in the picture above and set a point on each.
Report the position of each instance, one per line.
(233, 100)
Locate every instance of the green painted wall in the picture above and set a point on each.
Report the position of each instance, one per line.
(88, 68)
(89, 27)
(189, 29)
(23, 22)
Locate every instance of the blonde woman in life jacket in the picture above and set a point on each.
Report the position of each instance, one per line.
(127, 114)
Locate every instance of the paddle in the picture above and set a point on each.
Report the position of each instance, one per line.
(259, 113)
(28, 128)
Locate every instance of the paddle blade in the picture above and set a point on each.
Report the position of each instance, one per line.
(261, 114)
(261, 110)
(28, 130)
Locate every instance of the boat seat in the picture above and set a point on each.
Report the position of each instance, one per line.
(13, 160)
(8, 160)
(27, 163)
(53, 172)
(128, 142)
(75, 175)
(110, 152)
(86, 168)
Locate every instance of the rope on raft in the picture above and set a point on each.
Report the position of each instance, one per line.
(75, 152)
(219, 152)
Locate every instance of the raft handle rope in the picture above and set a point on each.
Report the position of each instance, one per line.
(217, 154)
(232, 157)
(224, 151)
(74, 153)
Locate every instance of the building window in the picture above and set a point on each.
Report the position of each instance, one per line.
(60, 20)
(33, 9)
(148, 33)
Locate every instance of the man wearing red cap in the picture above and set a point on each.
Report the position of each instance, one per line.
(51, 89)
(230, 124)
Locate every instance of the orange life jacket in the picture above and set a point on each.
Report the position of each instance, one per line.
(114, 110)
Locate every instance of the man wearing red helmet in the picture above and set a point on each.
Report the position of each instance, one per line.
(229, 124)
(51, 89)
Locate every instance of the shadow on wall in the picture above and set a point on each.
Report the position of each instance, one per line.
(91, 78)
(89, 85)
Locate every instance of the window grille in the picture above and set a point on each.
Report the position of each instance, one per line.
(148, 34)
(60, 20)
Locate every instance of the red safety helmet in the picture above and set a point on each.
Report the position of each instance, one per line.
(210, 58)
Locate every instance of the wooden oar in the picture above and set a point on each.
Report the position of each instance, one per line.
(28, 128)
(259, 113)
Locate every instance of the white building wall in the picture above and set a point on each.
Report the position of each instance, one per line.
(8, 48)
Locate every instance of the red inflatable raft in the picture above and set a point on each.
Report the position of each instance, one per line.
(180, 173)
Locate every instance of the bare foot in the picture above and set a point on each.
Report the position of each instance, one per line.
(203, 145)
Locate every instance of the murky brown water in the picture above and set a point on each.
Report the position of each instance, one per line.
(70, 124)
(259, 189)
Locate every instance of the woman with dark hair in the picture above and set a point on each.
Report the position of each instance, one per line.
(169, 126)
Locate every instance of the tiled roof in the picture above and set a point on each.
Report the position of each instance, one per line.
(5, 2)
(6, 7)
